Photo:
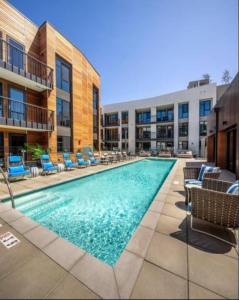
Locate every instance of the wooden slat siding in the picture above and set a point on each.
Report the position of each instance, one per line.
(15, 25)
(83, 78)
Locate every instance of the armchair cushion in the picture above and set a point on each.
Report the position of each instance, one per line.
(234, 188)
(206, 169)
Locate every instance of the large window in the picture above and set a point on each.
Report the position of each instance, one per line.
(95, 110)
(143, 117)
(124, 133)
(15, 53)
(111, 134)
(165, 132)
(205, 107)
(143, 146)
(63, 75)
(111, 119)
(64, 144)
(203, 128)
(143, 133)
(183, 110)
(63, 113)
(183, 129)
(165, 115)
(124, 117)
(17, 105)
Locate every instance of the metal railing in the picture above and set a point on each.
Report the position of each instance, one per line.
(115, 122)
(8, 186)
(21, 114)
(18, 61)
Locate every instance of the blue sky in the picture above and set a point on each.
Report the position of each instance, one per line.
(145, 48)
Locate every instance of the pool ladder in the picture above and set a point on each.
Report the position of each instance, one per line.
(8, 186)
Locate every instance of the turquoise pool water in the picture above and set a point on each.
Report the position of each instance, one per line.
(100, 212)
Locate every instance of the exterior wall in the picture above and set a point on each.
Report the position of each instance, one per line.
(44, 43)
(192, 96)
(228, 118)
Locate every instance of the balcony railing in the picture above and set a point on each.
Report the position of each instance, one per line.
(24, 115)
(112, 138)
(15, 60)
(115, 122)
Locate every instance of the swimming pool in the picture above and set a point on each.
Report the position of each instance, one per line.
(100, 212)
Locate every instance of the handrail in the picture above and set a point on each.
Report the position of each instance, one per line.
(8, 186)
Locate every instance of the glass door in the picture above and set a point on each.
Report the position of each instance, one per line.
(17, 108)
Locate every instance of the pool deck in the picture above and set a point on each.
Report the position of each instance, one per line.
(163, 259)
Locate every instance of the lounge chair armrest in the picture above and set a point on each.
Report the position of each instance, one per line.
(215, 185)
(191, 172)
(215, 207)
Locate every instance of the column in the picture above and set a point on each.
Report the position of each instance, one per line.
(120, 131)
(193, 126)
(131, 125)
(153, 127)
(175, 128)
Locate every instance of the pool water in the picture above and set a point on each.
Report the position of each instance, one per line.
(99, 213)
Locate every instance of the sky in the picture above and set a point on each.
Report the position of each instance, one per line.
(145, 48)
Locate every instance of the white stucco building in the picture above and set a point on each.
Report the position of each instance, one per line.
(175, 121)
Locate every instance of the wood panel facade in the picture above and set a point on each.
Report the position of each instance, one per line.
(223, 129)
(45, 43)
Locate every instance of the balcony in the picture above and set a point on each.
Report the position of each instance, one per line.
(23, 69)
(112, 138)
(15, 113)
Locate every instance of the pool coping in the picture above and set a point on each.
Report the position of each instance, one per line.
(105, 281)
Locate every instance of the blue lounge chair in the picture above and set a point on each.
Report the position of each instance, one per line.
(92, 159)
(47, 165)
(69, 165)
(16, 168)
(80, 161)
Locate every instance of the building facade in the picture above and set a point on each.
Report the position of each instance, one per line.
(223, 129)
(49, 91)
(174, 121)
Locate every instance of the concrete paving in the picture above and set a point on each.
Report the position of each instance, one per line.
(163, 260)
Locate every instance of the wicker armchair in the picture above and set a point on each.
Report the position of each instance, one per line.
(212, 204)
(193, 173)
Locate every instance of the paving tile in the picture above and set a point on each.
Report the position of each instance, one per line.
(40, 236)
(156, 206)
(34, 279)
(24, 224)
(98, 276)
(172, 226)
(150, 219)
(126, 271)
(168, 253)
(11, 215)
(198, 292)
(71, 288)
(11, 258)
(216, 272)
(156, 283)
(173, 211)
(5, 207)
(179, 195)
(139, 242)
(64, 253)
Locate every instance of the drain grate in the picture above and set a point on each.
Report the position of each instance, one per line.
(9, 240)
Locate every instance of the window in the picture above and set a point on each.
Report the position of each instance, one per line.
(183, 145)
(143, 117)
(63, 113)
(124, 133)
(1, 102)
(125, 146)
(95, 109)
(165, 132)
(124, 117)
(111, 119)
(143, 146)
(165, 115)
(17, 105)
(205, 107)
(1, 150)
(143, 133)
(16, 53)
(183, 110)
(111, 134)
(183, 129)
(63, 75)
(64, 143)
(203, 128)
